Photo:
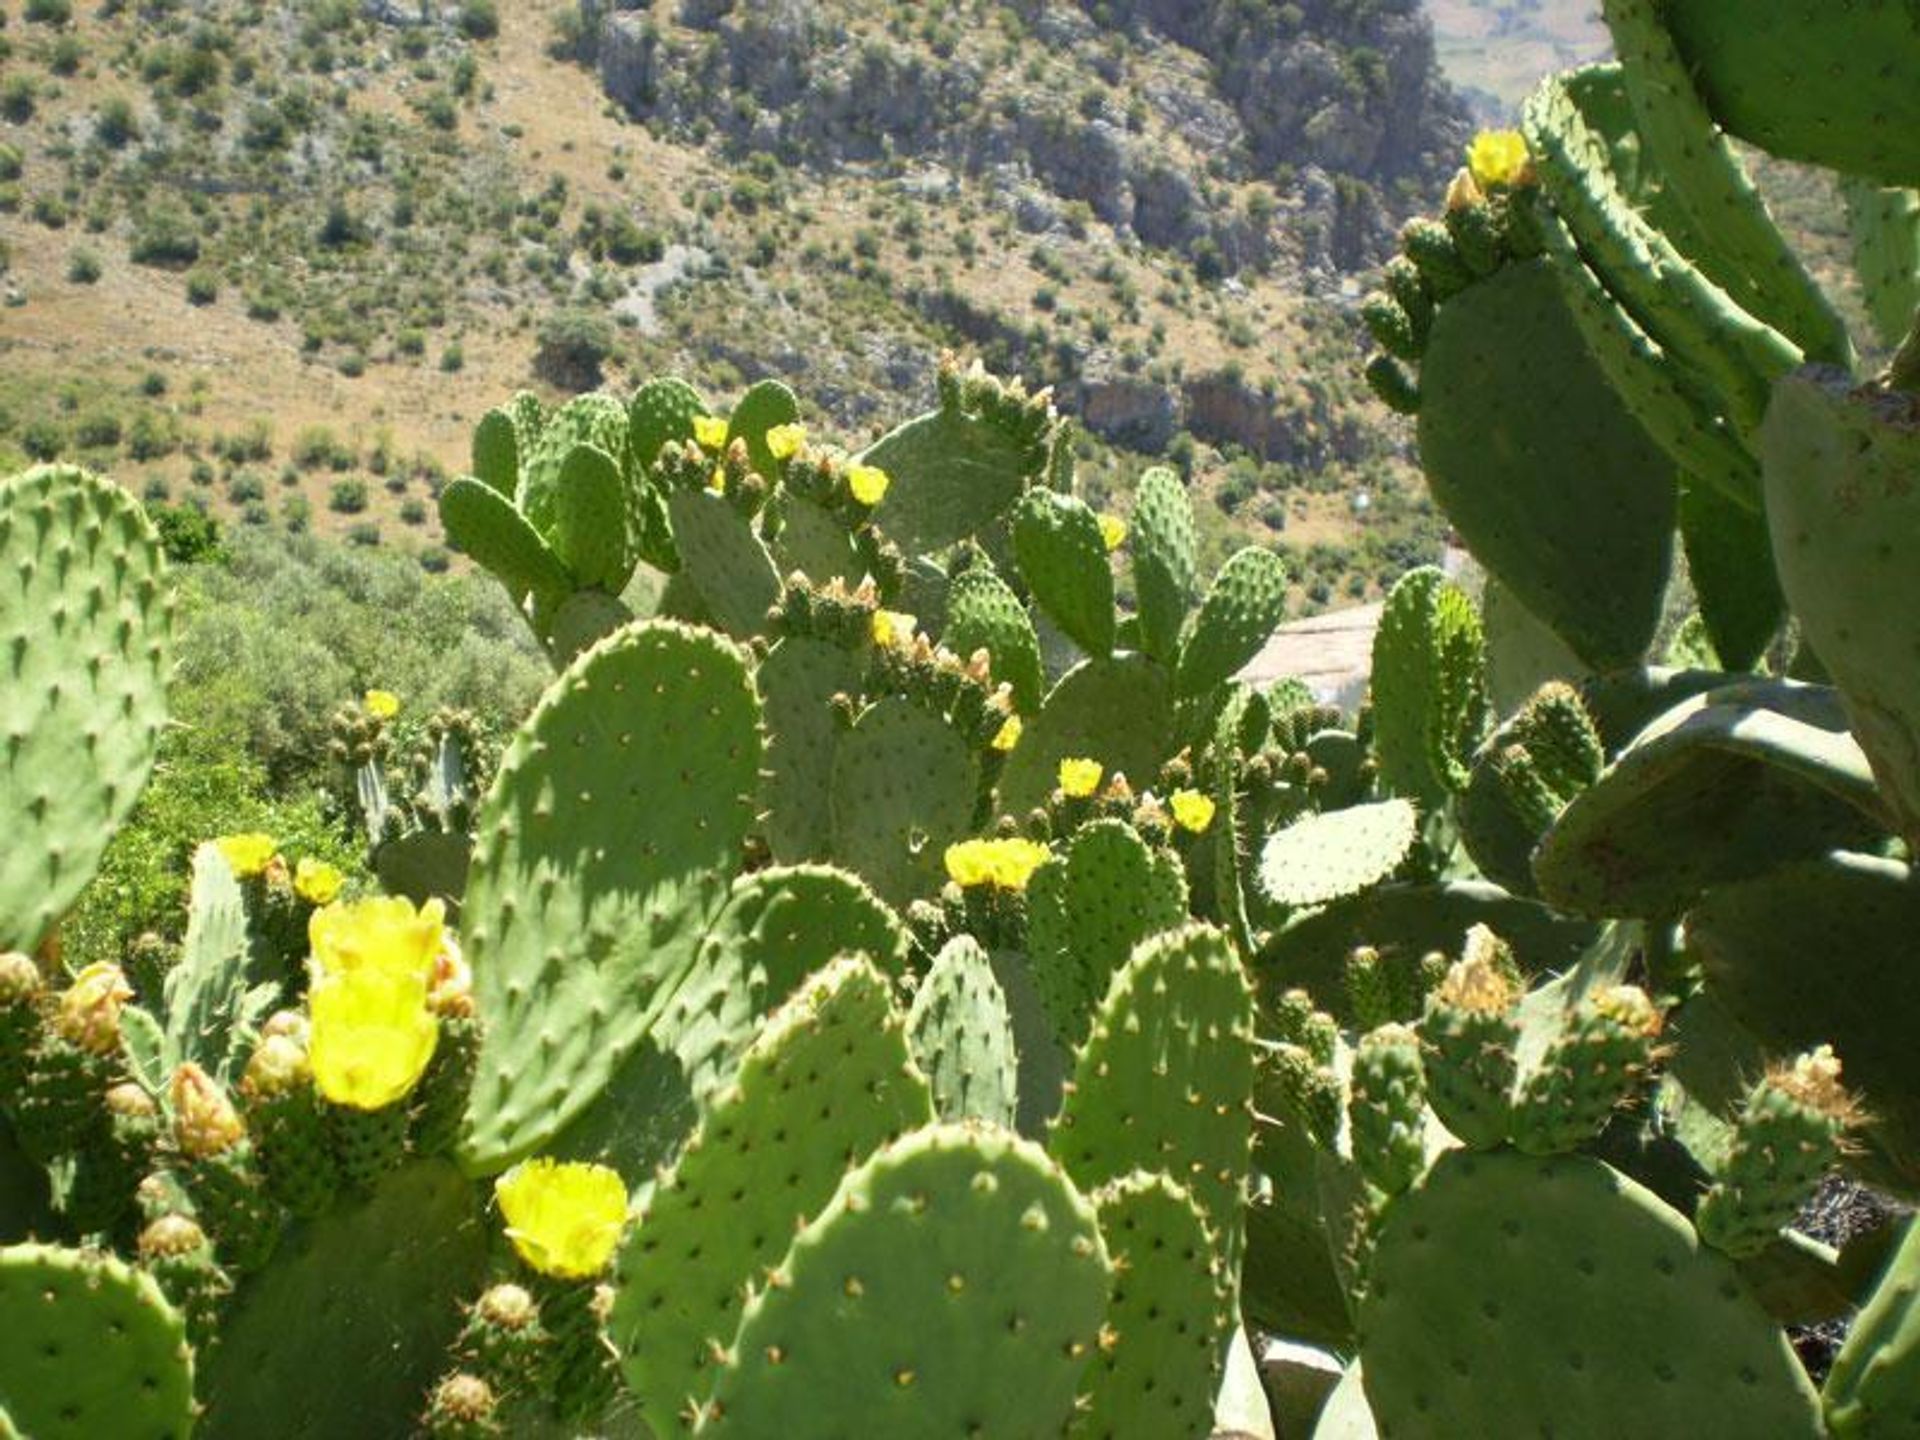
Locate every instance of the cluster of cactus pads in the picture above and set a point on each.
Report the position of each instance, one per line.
(911, 986)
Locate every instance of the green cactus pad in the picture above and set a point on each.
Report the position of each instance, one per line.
(603, 850)
(1522, 652)
(983, 613)
(1247, 601)
(1115, 711)
(496, 453)
(1839, 468)
(766, 404)
(1340, 853)
(1512, 409)
(815, 542)
(953, 475)
(1723, 786)
(955, 1286)
(724, 559)
(204, 993)
(1169, 1316)
(1873, 1392)
(1886, 253)
(826, 1083)
(87, 625)
(589, 533)
(1429, 686)
(1165, 1080)
(661, 410)
(485, 526)
(584, 618)
(962, 1036)
(1064, 561)
(1161, 544)
(904, 784)
(1821, 952)
(346, 1331)
(1730, 561)
(1386, 1108)
(596, 420)
(798, 681)
(1826, 86)
(1510, 1295)
(90, 1348)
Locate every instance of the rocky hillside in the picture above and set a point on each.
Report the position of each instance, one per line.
(272, 259)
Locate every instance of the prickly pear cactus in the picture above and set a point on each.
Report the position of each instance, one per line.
(904, 787)
(87, 624)
(1247, 600)
(1118, 711)
(1064, 560)
(1342, 852)
(1429, 686)
(1162, 545)
(1874, 1389)
(962, 1036)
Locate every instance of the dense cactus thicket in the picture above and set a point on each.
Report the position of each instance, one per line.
(911, 986)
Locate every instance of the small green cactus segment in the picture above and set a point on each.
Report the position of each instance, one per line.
(603, 850)
(1839, 467)
(1429, 686)
(488, 529)
(1754, 940)
(86, 623)
(1169, 1315)
(779, 926)
(1730, 561)
(725, 560)
(496, 453)
(594, 419)
(904, 786)
(1529, 771)
(983, 613)
(956, 1285)
(1064, 560)
(813, 541)
(661, 410)
(205, 991)
(589, 534)
(1512, 406)
(1247, 600)
(1329, 856)
(1600, 1061)
(1467, 1326)
(1814, 85)
(1087, 910)
(1386, 1108)
(583, 619)
(1886, 252)
(962, 1036)
(1786, 1137)
(1165, 1080)
(1161, 544)
(1470, 1038)
(1724, 786)
(826, 1083)
(798, 681)
(1873, 1392)
(91, 1348)
(1116, 711)
(766, 404)
(373, 1292)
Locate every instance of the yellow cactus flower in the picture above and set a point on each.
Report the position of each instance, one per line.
(1499, 157)
(384, 933)
(381, 704)
(89, 1013)
(868, 483)
(784, 441)
(710, 431)
(372, 1037)
(717, 482)
(563, 1219)
(205, 1124)
(1079, 777)
(247, 855)
(1003, 864)
(317, 882)
(1008, 735)
(891, 627)
(1191, 810)
(1112, 531)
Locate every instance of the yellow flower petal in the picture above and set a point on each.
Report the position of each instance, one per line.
(1008, 735)
(382, 704)
(784, 441)
(1499, 157)
(710, 431)
(1112, 531)
(891, 627)
(868, 483)
(384, 933)
(317, 882)
(247, 855)
(717, 482)
(1004, 864)
(1192, 810)
(372, 1037)
(563, 1219)
(1079, 778)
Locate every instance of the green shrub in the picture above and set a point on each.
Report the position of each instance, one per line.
(347, 497)
(83, 267)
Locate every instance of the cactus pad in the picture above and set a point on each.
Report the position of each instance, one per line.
(485, 526)
(955, 1286)
(953, 475)
(825, 1084)
(1342, 852)
(723, 558)
(1115, 711)
(1065, 562)
(90, 1349)
(904, 784)
(1874, 1390)
(589, 532)
(1162, 546)
(1247, 600)
(798, 681)
(86, 625)
(661, 410)
(962, 1036)
(1429, 686)
(984, 614)
(1516, 1295)
(766, 403)
(604, 848)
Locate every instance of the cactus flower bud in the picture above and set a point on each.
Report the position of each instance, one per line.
(278, 1066)
(205, 1124)
(89, 1013)
(172, 1235)
(20, 982)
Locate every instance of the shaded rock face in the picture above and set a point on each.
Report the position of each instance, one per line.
(1346, 88)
